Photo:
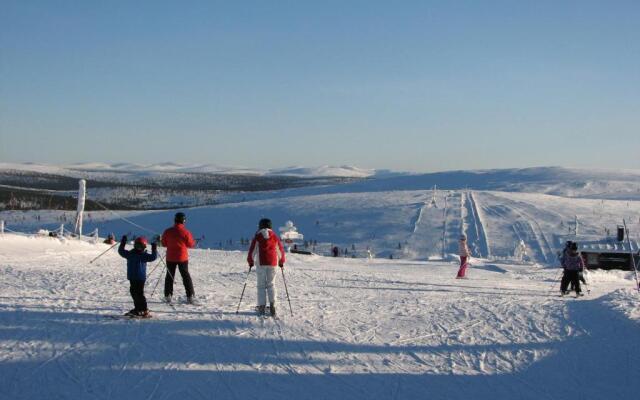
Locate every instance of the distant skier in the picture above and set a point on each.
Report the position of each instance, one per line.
(463, 251)
(565, 253)
(270, 254)
(111, 239)
(573, 264)
(335, 251)
(137, 260)
(178, 240)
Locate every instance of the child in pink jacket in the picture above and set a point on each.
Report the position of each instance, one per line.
(464, 255)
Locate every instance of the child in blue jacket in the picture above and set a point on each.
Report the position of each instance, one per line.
(137, 260)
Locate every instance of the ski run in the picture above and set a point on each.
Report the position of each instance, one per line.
(361, 329)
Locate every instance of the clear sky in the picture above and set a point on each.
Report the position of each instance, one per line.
(405, 85)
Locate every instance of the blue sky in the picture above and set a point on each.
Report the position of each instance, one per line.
(420, 86)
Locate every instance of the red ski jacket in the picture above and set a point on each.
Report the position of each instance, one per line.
(269, 249)
(177, 240)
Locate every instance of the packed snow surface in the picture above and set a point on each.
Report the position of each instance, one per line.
(361, 329)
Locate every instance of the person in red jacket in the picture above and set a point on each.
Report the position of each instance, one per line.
(177, 240)
(270, 254)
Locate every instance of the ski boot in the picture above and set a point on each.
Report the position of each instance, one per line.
(261, 310)
(167, 299)
(272, 309)
(131, 313)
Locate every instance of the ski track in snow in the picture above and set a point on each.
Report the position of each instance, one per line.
(361, 329)
(473, 226)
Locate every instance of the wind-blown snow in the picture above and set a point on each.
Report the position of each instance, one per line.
(361, 330)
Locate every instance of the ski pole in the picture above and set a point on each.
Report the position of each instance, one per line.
(104, 252)
(161, 275)
(555, 281)
(107, 250)
(166, 267)
(243, 288)
(156, 267)
(286, 290)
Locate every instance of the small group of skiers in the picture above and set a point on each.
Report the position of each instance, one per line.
(266, 253)
(177, 239)
(573, 270)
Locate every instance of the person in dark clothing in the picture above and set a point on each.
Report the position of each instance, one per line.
(565, 253)
(111, 239)
(573, 265)
(137, 260)
(178, 240)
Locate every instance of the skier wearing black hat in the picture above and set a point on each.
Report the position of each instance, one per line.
(137, 260)
(266, 251)
(178, 240)
(573, 265)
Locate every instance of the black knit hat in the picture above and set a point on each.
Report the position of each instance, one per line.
(180, 218)
(265, 223)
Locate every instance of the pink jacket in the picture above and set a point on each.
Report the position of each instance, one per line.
(463, 248)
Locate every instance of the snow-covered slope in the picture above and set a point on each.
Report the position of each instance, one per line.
(395, 216)
(402, 224)
(567, 182)
(360, 330)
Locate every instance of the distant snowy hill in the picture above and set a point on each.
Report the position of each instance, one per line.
(344, 171)
(396, 216)
(566, 182)
(146, 169)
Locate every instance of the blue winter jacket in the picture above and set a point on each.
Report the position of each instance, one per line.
(137, 262)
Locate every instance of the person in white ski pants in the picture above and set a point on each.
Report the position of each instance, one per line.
(269, 255)
(266, 284)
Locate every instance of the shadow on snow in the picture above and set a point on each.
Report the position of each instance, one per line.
(88, 356)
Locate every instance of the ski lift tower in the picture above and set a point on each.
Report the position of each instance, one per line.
(289, 233)
(82, 194)
(520, 252)
(434, 193)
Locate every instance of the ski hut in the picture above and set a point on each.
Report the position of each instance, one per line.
(609, 254)
(289, 233)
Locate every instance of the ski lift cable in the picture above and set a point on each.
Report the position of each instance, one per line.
(125, 219)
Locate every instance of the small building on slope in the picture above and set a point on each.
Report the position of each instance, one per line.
(609, 254)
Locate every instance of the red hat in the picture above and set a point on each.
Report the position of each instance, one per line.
(140, 242)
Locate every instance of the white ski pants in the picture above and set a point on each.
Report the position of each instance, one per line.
(266, 284)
